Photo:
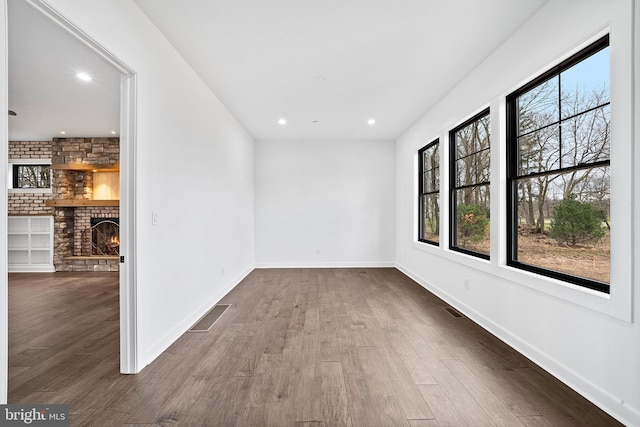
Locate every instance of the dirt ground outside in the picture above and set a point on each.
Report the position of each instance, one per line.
(587, 261)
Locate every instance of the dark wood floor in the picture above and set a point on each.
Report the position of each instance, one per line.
(316, 347)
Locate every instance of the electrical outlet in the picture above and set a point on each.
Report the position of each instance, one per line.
(155, 218)
(466, 283)
(318, 251)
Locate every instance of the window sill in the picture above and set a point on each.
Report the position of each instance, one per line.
(30, 190)
(615, 305)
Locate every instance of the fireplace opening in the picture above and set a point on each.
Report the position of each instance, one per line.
(105, 236)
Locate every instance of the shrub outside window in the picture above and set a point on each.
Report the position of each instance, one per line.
(558, 148)
(470, 147)
(429, 193)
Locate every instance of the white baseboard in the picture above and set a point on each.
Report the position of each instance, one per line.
(31, 269)
(609, 403)
(176, 332)
(328, 264)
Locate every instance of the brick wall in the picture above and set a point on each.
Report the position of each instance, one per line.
(72, 184)
(28, 204)
(93, 151)
(29, 149)
(23, 203)
(71, 225)
(63, 230)
(82, 226)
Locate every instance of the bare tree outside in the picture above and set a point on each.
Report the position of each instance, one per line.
(471, 150)
(32, 176)
(430, 192)
(563, 150)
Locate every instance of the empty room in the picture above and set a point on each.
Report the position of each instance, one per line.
(321, 213)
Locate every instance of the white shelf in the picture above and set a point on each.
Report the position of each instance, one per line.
(30, 244)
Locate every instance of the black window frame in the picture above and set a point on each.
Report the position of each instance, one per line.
(422, 193)
(16, 175)
(453, 187)
(513, 159)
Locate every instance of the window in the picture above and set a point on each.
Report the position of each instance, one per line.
(429, 193)
(29, 176)
(470, 213)
(558, 136)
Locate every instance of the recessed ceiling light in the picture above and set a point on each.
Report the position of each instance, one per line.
(371, 122)
(62, 132)
(84, 76)
(113, 132)
(282, 122)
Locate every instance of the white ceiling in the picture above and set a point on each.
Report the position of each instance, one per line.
(326, 66)
(43, 88)
(339, 62)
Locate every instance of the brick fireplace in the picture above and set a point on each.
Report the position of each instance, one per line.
(85, 186)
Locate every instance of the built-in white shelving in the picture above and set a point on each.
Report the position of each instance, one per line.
(30, 244)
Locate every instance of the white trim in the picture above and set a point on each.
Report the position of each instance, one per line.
(574, 294)
(58, 18)
(42, 161)
(32, 269)
(618, 303)
(129, 351)
(13, 162)
(416, 189)
(156, 349)
(451, 126)
(129, 315)
(634, 158)
(613, 405)
(4, 288)
(356, 264)
(30, 190)
(584, 43)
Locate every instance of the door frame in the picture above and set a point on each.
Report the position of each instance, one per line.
(128, 292)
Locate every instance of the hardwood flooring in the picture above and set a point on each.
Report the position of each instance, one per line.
(299, 347)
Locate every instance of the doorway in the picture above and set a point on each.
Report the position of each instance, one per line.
(126, 131)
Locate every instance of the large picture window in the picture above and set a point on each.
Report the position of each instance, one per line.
(558, 136)
(470, 150)
(429, 193)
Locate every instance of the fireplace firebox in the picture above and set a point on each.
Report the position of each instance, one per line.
(105, 236)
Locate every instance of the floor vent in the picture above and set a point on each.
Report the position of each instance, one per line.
(452, 311)
(207, 321)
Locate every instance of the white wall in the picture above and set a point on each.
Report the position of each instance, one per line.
(590, 341)
(324, 203)
(194, 168)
